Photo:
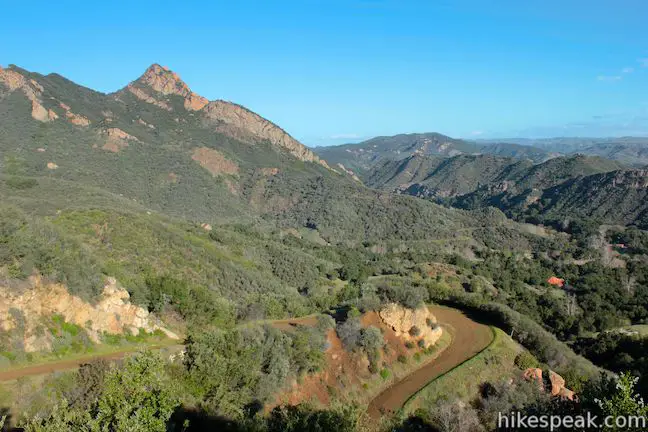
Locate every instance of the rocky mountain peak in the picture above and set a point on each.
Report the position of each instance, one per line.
(163, 80)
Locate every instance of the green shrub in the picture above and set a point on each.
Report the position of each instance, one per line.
(21, 182)
(385, 373)
(526, 360)
(371, 339)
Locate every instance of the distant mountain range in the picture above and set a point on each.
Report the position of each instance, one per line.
(363, 156)
(632, 151)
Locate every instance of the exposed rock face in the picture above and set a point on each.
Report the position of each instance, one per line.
(117, 139)
(349, 172)
(534, 374)
(164, 81)
(113, 314)
(241, 123)
(412, 325)
(75, 119)
(227, 118)
(556, 383)
(142, 95)
(143, 123)
(13, 81)
(214, 161)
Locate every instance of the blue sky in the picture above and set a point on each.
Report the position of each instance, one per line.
(338, 71)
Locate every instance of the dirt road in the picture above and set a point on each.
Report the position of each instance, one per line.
(468, 339)
(57, 366)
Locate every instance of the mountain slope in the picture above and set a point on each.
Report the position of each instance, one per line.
(164, 148)
(362, 156)
(517, 151)
(619, 197)
(154, 141)
(572, 187)
(437, 177)
(465, 174)
(569, 186)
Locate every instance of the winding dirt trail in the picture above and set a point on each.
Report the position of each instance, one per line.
(57, 366)
(468, 339)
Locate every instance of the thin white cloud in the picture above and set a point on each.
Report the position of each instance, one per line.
(627, 70)
(609, 78)
(477, 133)
(643, 62)
(345, 136)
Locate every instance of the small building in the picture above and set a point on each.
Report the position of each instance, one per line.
(556, 281)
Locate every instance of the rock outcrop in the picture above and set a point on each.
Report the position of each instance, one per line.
(142, 95)
(162, 80)
(412, 324)
(117, 139)
(113, 313)
(555, 386)
(13, 81)
(158, 82)
(349, 172)
(214, 161)
(240, 123)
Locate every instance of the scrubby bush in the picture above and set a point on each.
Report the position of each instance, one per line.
(371, 339)
(233, 368)
(305, 418)
(526, 360)
(324, 323)
(349, 333)
(136, 397)
(414, 331)
(405, 293)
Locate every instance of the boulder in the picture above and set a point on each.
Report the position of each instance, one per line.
(557, 383)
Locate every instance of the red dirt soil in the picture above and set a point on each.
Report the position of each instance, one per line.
(343, 370)
(468, 339)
